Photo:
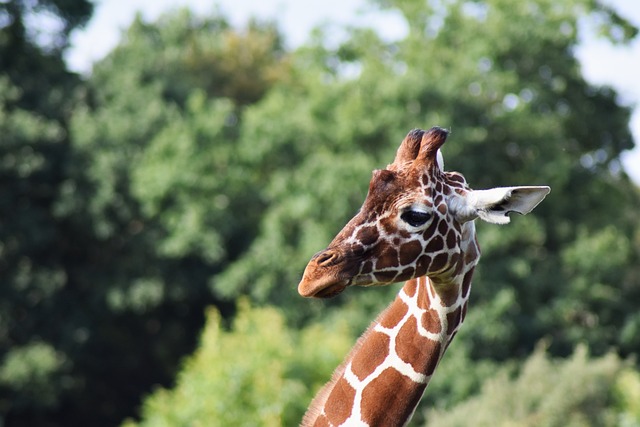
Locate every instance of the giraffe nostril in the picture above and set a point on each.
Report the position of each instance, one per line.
(327, 258)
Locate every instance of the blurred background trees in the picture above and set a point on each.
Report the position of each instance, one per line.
(201, 165)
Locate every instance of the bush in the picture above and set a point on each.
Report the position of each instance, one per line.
(578, 391)
(257, 373)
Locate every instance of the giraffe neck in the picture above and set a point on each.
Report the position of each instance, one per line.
(386, 373)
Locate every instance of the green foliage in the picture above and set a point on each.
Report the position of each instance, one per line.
(190, 158)
(35, 94)
(92, 236)
(34, 371)
(577, 391)
(258, 372)
(627, 396)
(457, 378)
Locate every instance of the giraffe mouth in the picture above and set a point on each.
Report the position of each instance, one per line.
(332, 290)
(318, 289)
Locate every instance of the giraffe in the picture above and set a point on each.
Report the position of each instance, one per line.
(415, 225)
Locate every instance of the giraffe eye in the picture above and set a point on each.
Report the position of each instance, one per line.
(415, 218)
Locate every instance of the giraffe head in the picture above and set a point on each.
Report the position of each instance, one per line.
(416, 220)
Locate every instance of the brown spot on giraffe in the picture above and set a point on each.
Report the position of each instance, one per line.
(431, 230)
(436, 244)
(388, 258)
(392, 317)
(399, 393)
(423, 264)
(442, 208)
(410, 289)
(439, 262)
(409, 344)
(368, 235)
(431, 322)
(443, 228)
(453, 239)
(376, 349)
(338, 406)
(453, 260)
(410, 251)
(385, 276)
(322, 421)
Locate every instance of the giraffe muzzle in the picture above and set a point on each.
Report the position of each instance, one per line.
(325, 275)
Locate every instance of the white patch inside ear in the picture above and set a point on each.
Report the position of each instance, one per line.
(494, 205)
(440, 160)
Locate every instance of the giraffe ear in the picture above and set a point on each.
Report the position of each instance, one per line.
(494, 205)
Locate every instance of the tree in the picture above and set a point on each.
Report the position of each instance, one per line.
(31, 57)
(36, 93)
(31, 148)
(86, 241)
(153, 179)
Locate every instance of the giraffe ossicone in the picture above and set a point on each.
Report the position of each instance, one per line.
(417, 224)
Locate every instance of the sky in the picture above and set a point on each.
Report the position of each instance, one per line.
(602, 63)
